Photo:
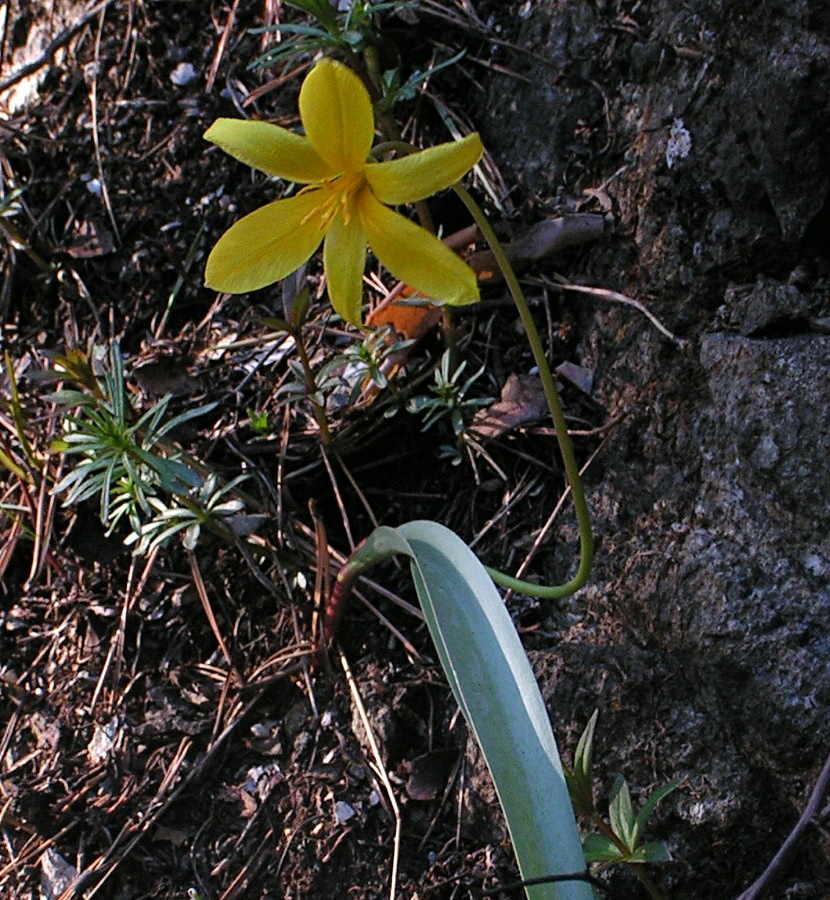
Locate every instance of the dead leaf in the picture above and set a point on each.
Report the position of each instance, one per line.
(542, 241)
(579, 376)
(89, 239)
(428, 773)
(411, 321)
(522, 400)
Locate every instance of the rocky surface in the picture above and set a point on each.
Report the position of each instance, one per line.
(704, 638)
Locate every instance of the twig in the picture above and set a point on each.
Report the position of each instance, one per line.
(114, 653)
(781, 857)
(53, 46)
(252, 865)
(100, 869)
(93, 102)
(381, 771)
(201, 590)
(344, 515)
(220, 47)
(615, 297)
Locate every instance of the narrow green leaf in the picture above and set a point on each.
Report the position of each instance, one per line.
(185, 416)
(621, 813)
(650, 805)
(8, 462)
(581, 778)
(583, 758)
(70, 398)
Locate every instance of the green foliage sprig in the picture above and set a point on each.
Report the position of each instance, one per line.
(448, 397)
(211, 504)
(126, 458)
(620, 838)
(352, 31)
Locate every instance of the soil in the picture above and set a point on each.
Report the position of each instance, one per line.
(138, 759)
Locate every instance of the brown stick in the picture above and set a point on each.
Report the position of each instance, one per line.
(547, 238)
(201, 590)
(53, 46)
(784, 853)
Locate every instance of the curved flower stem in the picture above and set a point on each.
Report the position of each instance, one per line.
(586, 540)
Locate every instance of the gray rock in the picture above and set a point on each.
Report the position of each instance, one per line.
(767, 305)
(771, 402)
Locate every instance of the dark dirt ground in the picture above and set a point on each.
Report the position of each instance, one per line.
(133, 755)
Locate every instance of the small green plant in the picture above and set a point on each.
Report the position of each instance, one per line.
(620, 838)
(394, 89)
(126, 459)
(211, 505)
(362, 366)
(448, 397)
(351, 32)
(260, 420)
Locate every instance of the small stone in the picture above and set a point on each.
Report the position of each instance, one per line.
(679, 144)
(183, 75)
(343, 812)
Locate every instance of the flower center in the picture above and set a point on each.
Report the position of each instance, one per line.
(336, 195)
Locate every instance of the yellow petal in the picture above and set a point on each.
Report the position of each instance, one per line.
(265, 246)
(344, 257)
(337, 115)
(415, 256)
(270, 149)
(420, 174)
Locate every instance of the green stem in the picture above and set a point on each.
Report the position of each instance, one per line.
(389, 126)
(583, 517)
(311, 387)
(643, 877)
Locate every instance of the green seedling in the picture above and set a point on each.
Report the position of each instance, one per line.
(209, 506)
(351, 31)
(362, 366)
(620, 839)
(448, 397)
(125, 458)
(627, 844)
(395, 90)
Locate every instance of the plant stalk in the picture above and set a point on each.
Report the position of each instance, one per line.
(583, 516)
(311, 387)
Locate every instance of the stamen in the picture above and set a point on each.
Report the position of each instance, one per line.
(337, 196)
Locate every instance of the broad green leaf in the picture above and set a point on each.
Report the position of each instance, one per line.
(492, 680)
(599, 848)
(650, 852)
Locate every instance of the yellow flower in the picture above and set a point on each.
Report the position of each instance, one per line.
(343, 200)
